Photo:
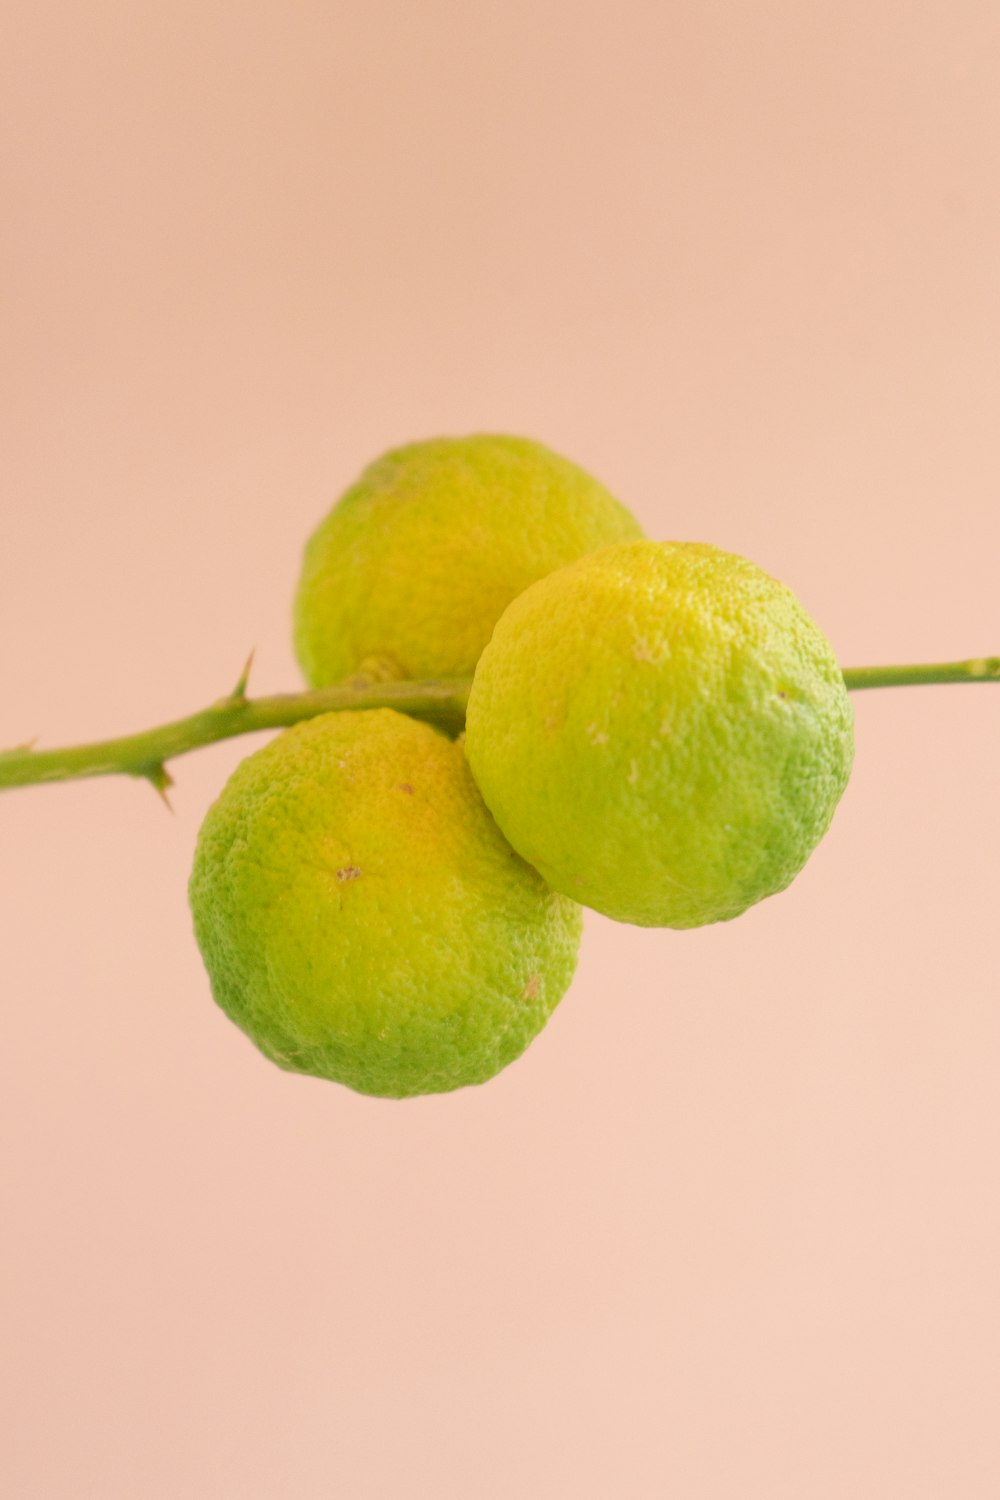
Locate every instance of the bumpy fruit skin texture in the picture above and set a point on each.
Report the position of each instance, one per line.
(362, 918)
(662, 731)
(418, 560)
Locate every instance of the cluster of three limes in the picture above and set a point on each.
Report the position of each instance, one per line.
(655, 730)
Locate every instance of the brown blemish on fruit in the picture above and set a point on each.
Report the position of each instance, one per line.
(531, 988)
(404, 786)
(349, 872)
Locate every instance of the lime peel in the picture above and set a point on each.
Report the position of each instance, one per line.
(662, 731)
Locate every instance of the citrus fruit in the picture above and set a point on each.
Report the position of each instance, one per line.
(662, 731)
(417, 561)
(362, 918)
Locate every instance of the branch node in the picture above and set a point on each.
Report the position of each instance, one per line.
(372, 670)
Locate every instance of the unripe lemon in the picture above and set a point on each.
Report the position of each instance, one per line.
(662, 731)
(363, 919)
(418, 560)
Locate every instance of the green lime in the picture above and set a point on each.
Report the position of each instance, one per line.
(418, 560)
(662, 731)
(362, 918)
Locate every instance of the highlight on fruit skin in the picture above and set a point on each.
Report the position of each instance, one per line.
(416, 562)
(362, 918)
(662, 731)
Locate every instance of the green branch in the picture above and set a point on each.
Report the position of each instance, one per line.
(146, 754)
(980, 669)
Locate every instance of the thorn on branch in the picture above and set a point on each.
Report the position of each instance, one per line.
(24, 748)
(161, 781)
(240, 690)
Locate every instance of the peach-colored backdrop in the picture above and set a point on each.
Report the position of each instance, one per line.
(730, 1229)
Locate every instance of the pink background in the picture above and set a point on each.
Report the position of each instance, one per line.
(731, 1227)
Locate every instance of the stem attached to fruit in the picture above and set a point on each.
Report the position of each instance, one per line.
(145, 754)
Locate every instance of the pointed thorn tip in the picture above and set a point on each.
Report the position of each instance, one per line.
(161, 792)
(240, 690)
(161, 780)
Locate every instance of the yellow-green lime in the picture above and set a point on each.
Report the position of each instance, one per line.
(662, 731)
(363, 919)
(416, 562)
